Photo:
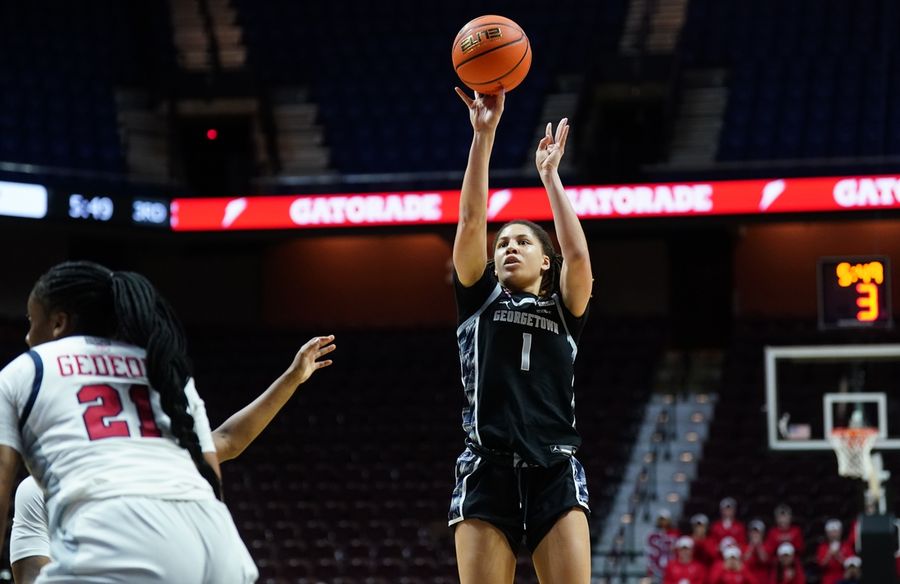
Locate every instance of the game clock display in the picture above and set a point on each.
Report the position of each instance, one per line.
(111, 209)
(855, 292)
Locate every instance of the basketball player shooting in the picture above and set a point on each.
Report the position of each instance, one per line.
(520, 315)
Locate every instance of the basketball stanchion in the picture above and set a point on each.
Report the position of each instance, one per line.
(876, 541)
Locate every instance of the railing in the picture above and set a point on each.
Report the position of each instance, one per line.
(617, 564)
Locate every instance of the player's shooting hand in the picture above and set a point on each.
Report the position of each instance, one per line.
(306, 362)
(551, 148)
(485, 110)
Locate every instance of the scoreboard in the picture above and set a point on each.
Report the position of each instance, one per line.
(855, 292)
(36, 201)
(106, 209)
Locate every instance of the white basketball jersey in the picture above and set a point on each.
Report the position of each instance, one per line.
(82, 414)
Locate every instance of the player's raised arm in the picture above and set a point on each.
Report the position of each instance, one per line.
(242, 428)
(470, 245)
(576, 278)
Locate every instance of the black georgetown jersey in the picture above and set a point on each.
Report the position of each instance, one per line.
(517, 356)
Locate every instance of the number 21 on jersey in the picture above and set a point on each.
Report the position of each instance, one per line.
(106, 403)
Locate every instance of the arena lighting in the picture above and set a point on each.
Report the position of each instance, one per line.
(686, 199)
(23, 200)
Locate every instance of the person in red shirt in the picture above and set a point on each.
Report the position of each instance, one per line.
(756, 558)
(684, 569)
(719, 564)
(850, 542)
(788, 569)
(664, 523)
(732, 570)
(660, 542)
(705, 549)
(831, 553)
(784, 531)
(727, 525)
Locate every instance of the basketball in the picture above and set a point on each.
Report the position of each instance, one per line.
(491, 53)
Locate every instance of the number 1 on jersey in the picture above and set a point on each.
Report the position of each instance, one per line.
(526, 351)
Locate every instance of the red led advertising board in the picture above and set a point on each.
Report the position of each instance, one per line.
(688, 199)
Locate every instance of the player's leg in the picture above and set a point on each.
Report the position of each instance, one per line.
(483, 554)
(558, 534)
(487, 519)
(564, 555)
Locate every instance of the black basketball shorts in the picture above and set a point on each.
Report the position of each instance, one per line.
(524, 503)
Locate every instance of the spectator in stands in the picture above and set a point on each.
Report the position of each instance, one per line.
(719, 563)
(756, 558)
(659, 544)
(518, 478)
(705, 550)
(784, 531)
(788, 569)
(831, 553)
(684, 569)
(664, 523)
(732, 570)
(727, 524)
(852, 570)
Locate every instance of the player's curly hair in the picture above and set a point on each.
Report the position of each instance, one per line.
(125, 306)
(550, 278)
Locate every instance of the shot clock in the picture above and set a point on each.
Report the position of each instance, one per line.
(854, 292)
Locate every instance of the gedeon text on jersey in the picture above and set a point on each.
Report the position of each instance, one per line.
(102, 365)
(526, 319)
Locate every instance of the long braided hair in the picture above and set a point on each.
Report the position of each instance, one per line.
(550, 277)
(125, 306)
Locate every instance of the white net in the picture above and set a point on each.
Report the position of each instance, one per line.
(853, 447)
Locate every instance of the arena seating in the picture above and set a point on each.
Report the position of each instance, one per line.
(383, 80)
(808, 79)
(61, 65)
(383, 77)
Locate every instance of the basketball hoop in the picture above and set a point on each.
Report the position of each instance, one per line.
(853, 447)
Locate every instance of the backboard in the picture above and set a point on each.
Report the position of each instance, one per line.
(811, 390)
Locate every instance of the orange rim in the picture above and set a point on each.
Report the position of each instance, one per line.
(854, 436)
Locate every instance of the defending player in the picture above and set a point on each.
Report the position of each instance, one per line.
(520, 317)
(99, 409)
(29, 545)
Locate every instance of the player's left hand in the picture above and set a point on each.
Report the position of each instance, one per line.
(551, 148)
(306, 362)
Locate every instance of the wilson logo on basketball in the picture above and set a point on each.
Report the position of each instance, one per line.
(471, 42)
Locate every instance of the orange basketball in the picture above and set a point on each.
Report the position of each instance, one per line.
(491, 53)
